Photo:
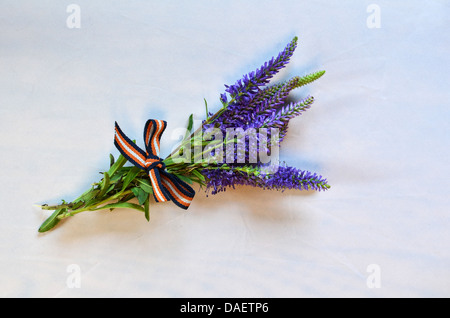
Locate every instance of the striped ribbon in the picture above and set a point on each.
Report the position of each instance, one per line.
(166, 186)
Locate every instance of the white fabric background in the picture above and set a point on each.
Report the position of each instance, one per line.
(378, 131)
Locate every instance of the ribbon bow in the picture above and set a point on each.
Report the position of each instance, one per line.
(166, 186)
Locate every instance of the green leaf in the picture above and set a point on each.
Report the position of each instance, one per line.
(198, 175)
(90, 197)
(123, 205)
(140, 194)
(135, 191)
(190, 123)
(145, 185)
(184, 178)
(130, 177)
(85, 195)
(104, 185)
(111, 187)
(119, 174)
(168, 161)
(188, 128)
(128, 197)
(111, 160)
(147, 208)
(117, 165)
(142, 197)
(51, 221)
(206, 109)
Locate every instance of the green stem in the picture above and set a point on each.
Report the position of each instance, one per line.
(207, 121)
(55, 207)
(94, 207)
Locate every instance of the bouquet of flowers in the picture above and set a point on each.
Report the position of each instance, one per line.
(237, 145)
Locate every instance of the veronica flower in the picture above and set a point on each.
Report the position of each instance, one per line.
(218, 180)
(244, 88)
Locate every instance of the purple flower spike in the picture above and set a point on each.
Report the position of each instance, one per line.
(278, 118)
(218, 180)
(249, 84)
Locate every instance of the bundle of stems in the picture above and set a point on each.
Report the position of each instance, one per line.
(248, 104)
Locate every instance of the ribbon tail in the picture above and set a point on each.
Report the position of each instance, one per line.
(129, 149)
(159, 192)
(178, 191)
